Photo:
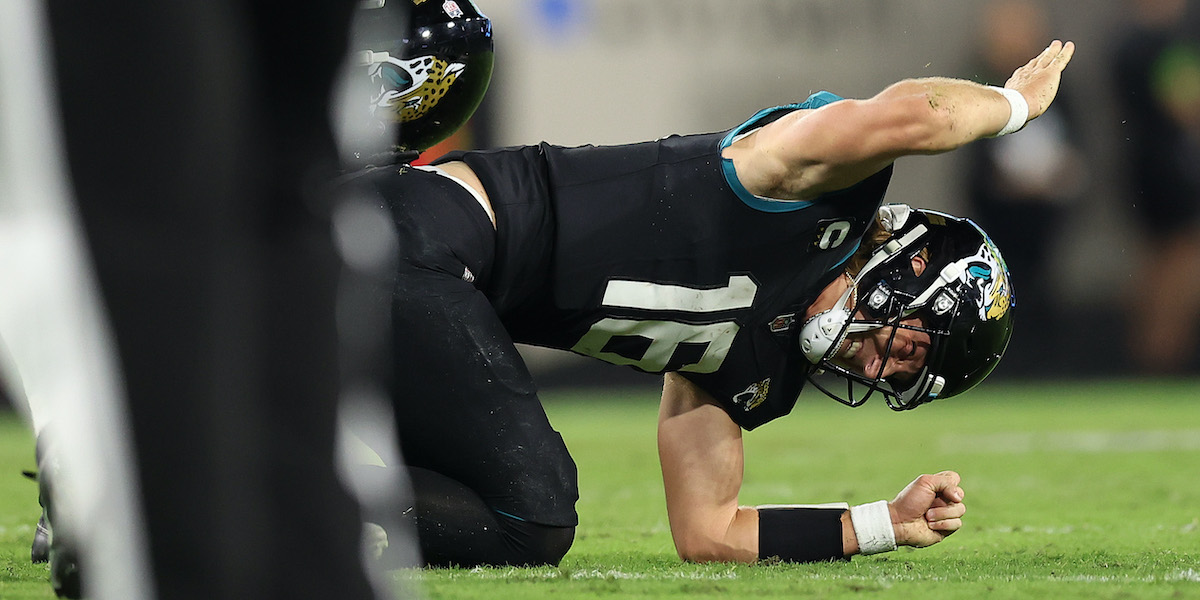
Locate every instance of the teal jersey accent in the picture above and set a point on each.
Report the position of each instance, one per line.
(509, 515)
(816, 100)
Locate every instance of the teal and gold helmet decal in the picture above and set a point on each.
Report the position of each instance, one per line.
(986, 271)
(427, 66)
(408, 89)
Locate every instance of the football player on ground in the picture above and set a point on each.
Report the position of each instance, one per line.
(741, 264)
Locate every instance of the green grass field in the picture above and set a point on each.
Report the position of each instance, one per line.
(1073, 491)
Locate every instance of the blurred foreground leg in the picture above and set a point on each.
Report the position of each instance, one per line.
(196, 133)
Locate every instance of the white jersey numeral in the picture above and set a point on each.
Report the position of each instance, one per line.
(665, 336)
(833, 235)
(738, 293)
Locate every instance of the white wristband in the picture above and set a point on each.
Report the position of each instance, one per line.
(1018, 110)
(873, 527)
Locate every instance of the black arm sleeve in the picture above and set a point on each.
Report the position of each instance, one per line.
(800, 534)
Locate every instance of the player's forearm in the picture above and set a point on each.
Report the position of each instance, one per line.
(944, 114)
(700, 450)
(849, 539)
(963, 111)
(701, 454)
(740, 541)
(809, 153)
(810, 533)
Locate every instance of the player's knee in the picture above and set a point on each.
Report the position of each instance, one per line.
(556, 542)
(533, 544)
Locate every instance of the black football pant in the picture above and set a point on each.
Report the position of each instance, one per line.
(493, 481)
(196, 133)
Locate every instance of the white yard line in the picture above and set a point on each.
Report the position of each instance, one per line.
(1154, 440)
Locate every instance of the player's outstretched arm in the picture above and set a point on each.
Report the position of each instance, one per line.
(809, 153)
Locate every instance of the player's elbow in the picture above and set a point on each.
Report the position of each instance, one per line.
(699, 548)
(697, 551)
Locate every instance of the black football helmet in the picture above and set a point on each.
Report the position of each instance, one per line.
(423, 67)
(963, 297)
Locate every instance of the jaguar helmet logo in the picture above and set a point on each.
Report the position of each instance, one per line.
(410, 88)
(989, 276)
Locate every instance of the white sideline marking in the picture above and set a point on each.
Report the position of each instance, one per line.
(1072, 441)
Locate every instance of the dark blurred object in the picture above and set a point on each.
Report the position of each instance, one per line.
(1022, 187)
(1157, 68)
(196, 135)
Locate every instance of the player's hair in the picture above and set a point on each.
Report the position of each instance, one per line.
(876, 235)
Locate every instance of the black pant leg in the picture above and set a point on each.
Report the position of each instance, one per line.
(467, 408)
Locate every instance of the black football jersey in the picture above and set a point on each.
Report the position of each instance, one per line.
(654, 256)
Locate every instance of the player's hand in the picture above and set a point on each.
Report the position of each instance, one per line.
(928, 510)
(1038, 79)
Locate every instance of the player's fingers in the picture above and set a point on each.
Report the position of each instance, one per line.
(952, 494)
(945, 484)
(946, 526)
(949, 496)
(1050, 53)
(1059, 59)
(1033, 62)
(1039, 59)
(950, 511)
(949, 474)
(1064, 57)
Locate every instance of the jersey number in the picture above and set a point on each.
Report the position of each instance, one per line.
(832, 234)
(662, 340)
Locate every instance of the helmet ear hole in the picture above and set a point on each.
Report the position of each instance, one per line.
(918, 265)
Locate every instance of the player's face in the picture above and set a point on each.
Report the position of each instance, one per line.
(900, 356)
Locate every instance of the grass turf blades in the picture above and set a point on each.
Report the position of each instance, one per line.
(1074, 490)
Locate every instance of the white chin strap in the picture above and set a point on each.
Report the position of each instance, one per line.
(826, 330)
